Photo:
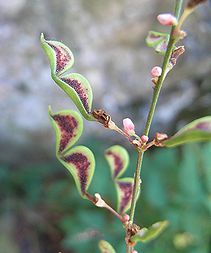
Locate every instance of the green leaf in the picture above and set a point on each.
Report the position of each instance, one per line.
(118, 160)
(74, 85)
(105, 247)
(148, 234)
(124, 188)
(158, 41)
(196, 131)
(80, 162)
(68, 127)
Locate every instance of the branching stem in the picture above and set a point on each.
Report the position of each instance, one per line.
(156, 93)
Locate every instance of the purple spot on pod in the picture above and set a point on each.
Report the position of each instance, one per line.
(118, 164)
(81, 164)
(80, 90)
(68, 126)
(62, 57)
(163, 46)
(154, 37)
(127, 190)
(204, 126)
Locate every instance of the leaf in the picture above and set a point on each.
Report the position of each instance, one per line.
(118, 160)
(196, 131)
(105, 247)
(80, 162)
(158, 41)
(74, 85)
(68, 127)
(148, 234)
(124, 188)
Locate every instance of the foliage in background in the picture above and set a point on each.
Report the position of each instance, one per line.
(177, 187)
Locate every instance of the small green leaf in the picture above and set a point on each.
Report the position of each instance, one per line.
(80, 162)
(75, 85)
(196, 131)
(148, 234)
(118, 160)
(106, 247)
(124, 188)
(68, 127)
(158, 41)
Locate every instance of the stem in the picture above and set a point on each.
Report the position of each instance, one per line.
(99, 202)
(109, 208)
(136, 184)
(161, 79)
(183, 17)
(172, 41)
(129, 249)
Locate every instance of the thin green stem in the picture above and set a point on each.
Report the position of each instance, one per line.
(172, 41)
(136, 184)
(161, 79)
(129, 249)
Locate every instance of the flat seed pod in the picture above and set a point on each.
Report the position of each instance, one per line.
(74, 85)
(105, 247)
(148, 234)
(81, 164)
(68, 127)
(80, 161)
(124, 188)
(118, 160)
(197, 131)
(60, 57)
(78, 88)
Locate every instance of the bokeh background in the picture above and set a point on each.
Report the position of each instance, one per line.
(40, 209)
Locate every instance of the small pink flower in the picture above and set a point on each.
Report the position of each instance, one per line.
(129, 127)
(167, 19)
(156, 71)
(144, 138)
(126, 217)
(135, 251)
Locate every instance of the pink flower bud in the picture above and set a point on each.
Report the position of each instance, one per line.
(126, 217)
(167, 19)
(144, 138)
(129, 127)
(135, 251)
(156, 71)
(161, 136)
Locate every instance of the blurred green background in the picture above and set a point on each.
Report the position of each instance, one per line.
(40, 209)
